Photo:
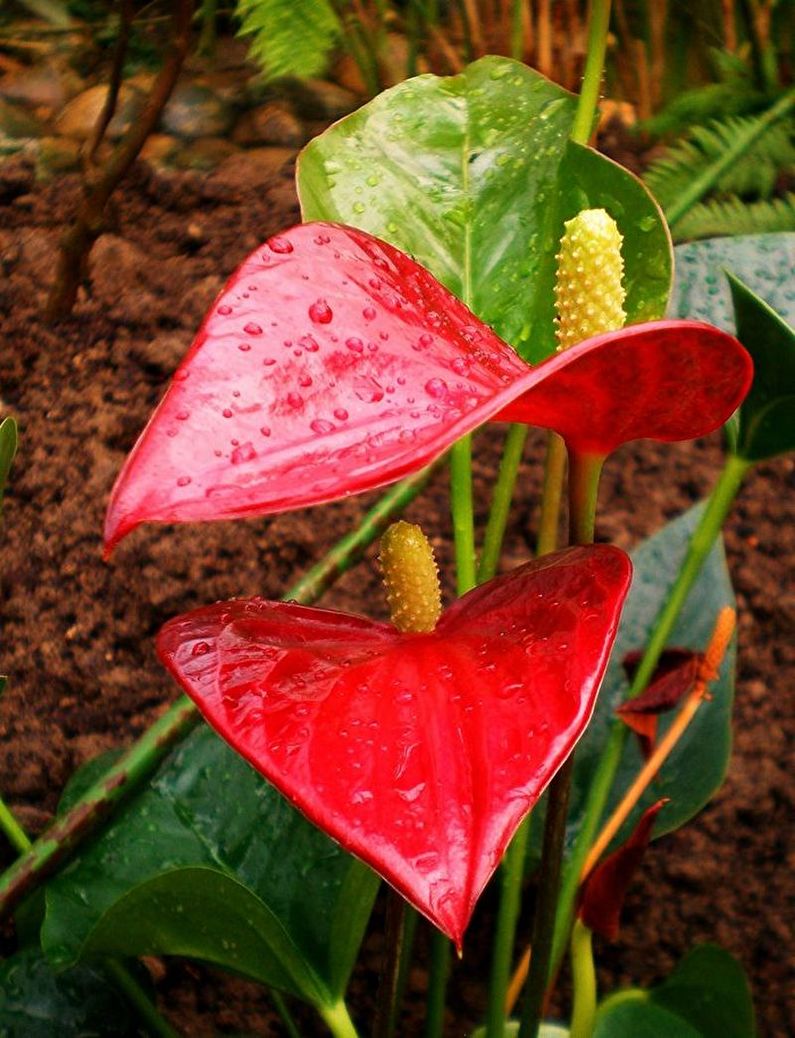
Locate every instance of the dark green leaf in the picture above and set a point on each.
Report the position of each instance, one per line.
(641, 1018)
(212, 863)
(767, 416)
(473, 175)
(8, 448)
(706, 996)
(697, 765)
(764, 262)
(35, 1002)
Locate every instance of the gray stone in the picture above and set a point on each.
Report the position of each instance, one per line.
(79, 117)
(17, 124)
(56, 155)
(309, 98)
(41, 86)
(271, 123)
(196, 111)
(250, 169)
(203, 154)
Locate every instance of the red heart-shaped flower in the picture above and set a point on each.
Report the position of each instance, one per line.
(333, 363)
(420, 753)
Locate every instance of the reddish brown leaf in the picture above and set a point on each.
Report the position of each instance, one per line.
(605, 889)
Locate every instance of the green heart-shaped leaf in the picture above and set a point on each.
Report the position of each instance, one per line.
(767, 417)
(763, 262)
(36, 1002)
(473, 175)
(706, 996)
(210, 862)
(8, 448)
(697, 765)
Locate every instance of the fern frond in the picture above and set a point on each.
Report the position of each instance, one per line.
(702, 104)
(289, 39)
(752, 174)
(730, 216)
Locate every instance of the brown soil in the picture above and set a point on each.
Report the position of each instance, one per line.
(78, 633)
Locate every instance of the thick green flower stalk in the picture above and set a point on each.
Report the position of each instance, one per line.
(589, 293)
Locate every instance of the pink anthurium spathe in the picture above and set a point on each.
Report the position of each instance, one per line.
(419, 753)
(332, 363)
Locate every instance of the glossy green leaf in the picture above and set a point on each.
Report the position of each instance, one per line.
(706, 996)
(210, 862)
(767, 417)
(473, 175)
(36, 1002)
(8, 449)
(697, 765)
(641, 1018)
(511, 1030)
(763, 262)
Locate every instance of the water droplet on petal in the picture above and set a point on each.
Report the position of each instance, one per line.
(252, 329)
(320, 312)
(245, 452)
(436, 387)
(295, 400)
(321, 427)
(280, 245)
(354, 345)
(183, 481)
(341, 414)
(369, 313)
(265, 430)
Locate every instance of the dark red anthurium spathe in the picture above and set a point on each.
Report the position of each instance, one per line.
(419, 753)
(332, 363)
(604, 891)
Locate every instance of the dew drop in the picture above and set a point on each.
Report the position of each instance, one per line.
(227, 413)
(341, 414)
(244, 347)
(265, 430)
(182, 416)
(252, 329)
(268, 362)
(245, 452)
(183, 481)
(320, 312)
(321, 427)
(436, 387)
(224, 310)
(295, 400)
(280, 245)
(354, 345)
(369, 313)
(200, 649)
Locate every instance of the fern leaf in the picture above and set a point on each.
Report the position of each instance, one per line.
(289, 39)
(702, 104)
(753, 174)
(730, 216)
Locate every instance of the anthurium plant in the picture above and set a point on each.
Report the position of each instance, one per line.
(464, 259)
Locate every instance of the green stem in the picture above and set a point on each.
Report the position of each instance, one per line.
(701, 543)
(17, 836)
(703, 183)
(592, 76)
(208, 35)
(554, 470)
(583, 981)
(395, 932)
(136, 765)
(437, 985)
(138, 999)
(501, 501)
(517, 31)
(584, 473)
(409, 933)
(546, 901)
(463, 518)
(338, 1020)
(505, 935)
(287, 1017)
